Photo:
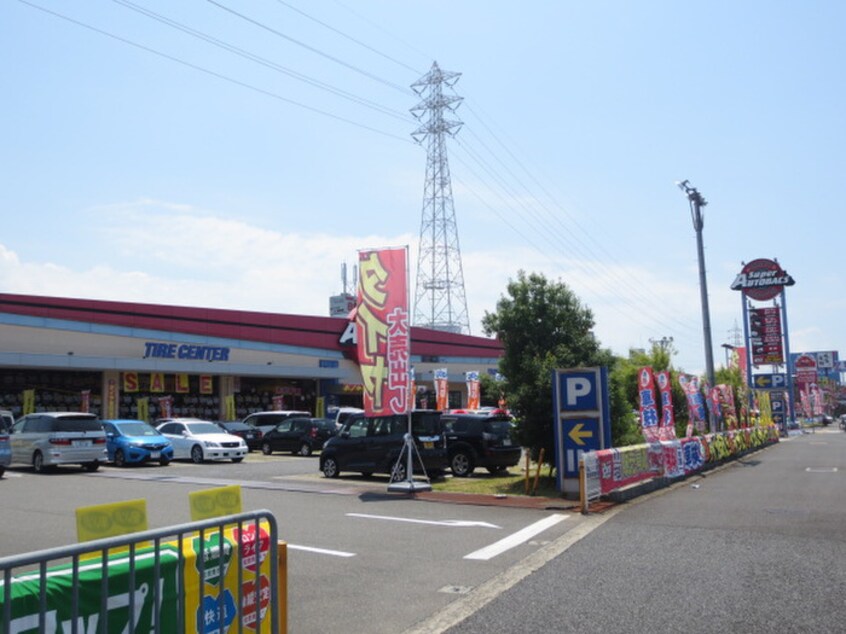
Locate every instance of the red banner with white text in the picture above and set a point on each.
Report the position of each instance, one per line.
(383, 331)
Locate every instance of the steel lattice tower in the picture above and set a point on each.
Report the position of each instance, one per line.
(439, 299)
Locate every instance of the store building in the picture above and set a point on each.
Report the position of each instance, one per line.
(130, 360)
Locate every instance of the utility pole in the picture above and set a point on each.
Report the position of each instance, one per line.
(697, 202)
(440, 302)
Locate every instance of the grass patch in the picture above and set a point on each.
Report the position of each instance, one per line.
(512, 482)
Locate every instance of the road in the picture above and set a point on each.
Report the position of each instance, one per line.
(759, 546)
(360, 560)
(753, 547)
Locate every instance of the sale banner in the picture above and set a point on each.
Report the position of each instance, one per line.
(441, 389)
(695, 404)
(667, 425)
(383, 331)
(473, 390)
(648, 408)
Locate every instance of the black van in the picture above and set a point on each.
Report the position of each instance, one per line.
(373, 445)
(480, 440)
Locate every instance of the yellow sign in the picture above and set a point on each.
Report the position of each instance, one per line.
(577, 434)
(109, 520)
(215, 502)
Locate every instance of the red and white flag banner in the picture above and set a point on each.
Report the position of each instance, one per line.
(383, 331)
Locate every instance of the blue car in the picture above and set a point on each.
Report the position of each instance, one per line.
(134, 441)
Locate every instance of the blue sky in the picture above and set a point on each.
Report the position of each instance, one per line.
(143, 163)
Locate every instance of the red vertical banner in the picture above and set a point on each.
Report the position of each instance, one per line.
(85, 406)
(165, 406)
(278, 402)
(667, 426)
(383, 331)
(474, 396)
(412, 390)
(648, 408)
(441, 389)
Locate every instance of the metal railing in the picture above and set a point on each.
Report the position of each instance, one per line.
(223, 574)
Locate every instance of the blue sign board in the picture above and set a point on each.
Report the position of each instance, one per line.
(582, 417)
(769, 381)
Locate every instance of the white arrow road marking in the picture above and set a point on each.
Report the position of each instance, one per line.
(321, 551)
(521, 536)
(453, 523)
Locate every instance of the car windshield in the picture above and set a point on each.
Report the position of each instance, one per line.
(137, 429)
(203, 428)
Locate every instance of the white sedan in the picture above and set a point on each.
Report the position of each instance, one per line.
(202, 440)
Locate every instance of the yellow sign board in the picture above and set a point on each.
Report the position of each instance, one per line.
(110, 520)
(215, 502)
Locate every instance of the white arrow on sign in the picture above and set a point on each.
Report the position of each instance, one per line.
(453, 523)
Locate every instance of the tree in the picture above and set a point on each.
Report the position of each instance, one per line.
(542, 326)
(625, 375)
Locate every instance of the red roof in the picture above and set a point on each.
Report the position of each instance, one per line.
(295, 330)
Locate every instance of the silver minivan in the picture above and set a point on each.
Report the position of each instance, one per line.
(47, 439)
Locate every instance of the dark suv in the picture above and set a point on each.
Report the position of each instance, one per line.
(298, 435)
(480, 440)
(373, 445)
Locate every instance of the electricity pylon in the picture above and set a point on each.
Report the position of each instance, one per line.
(440, 302)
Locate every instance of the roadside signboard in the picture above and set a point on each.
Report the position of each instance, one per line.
(765, 336)
(582, 417)
(769, 381)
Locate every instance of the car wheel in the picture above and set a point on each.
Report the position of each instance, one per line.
(91, 467)
(266, 449)
(197, 454)
(461, 464)
(2, 471)
(237, 460)
(120, 459)
(330, 468)
(305, 449)
(164, 461)
(399, 473)
(38, 462)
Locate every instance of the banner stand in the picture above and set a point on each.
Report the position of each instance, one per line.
(409, 450)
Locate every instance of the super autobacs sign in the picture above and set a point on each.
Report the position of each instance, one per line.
(762, 279)
(185, 352)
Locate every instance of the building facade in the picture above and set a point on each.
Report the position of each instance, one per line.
(147, 361)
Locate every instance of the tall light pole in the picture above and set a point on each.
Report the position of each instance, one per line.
(696, 203)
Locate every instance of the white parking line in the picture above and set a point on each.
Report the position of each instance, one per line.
(453, 523)
(321, 551)
(515, 539)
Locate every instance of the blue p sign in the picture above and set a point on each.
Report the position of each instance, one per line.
(579, 391)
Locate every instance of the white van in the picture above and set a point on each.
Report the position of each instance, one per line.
(46, 439)
(6, 420)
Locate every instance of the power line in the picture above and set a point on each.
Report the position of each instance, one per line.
(349, 37)
(311, 48)
(212, 73)
(263, 61)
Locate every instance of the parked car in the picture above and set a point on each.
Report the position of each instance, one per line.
(251, 435)
(341, 414)
(5, 451)
(298, 435)
(373, 444)
(202, 440)
(135, 441)
(480, 440)
(7, 421)
(47, 439)
(265, 421)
